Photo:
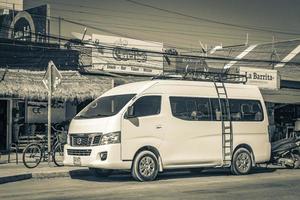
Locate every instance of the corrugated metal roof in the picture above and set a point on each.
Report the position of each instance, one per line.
(276, 52)
(284, 95)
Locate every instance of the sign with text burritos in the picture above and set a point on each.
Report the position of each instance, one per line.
(263, 78)
(125, 55)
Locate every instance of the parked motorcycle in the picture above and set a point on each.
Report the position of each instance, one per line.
(286, 152)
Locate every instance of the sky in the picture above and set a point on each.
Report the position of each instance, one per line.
(180, 23)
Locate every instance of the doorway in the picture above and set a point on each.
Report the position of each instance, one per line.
(3, 124)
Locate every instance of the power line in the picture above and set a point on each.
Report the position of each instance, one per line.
(210, 20)
(209, 34)
(56, 37)
(111, 47)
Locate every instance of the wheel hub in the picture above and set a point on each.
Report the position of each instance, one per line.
(147, 166)
(243, 162)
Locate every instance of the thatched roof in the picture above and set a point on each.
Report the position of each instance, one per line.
(28, 84)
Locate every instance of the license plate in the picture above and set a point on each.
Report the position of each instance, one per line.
(77, 161)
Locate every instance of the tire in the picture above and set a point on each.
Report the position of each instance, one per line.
(297, 161)
(32, 155)
(241, 162)
(100, 172)
(145, 166)
(58, 155)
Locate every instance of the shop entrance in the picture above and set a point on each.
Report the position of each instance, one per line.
(3, 124)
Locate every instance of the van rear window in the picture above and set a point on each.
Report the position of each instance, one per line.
(208, 109)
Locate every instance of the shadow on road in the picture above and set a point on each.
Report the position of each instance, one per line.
(121, 176)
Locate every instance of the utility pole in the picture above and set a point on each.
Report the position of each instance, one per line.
(48, 34)
(49, 113)
(59, 30)
(247, 39)
(13, 22)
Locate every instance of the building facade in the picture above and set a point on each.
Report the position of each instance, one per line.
(275, 68)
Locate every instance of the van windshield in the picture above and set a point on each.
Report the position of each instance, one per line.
(105, 106)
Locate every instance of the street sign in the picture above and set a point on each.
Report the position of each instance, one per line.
(51, 80)
(53, 73)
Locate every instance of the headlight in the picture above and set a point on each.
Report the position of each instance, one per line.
(111, 138)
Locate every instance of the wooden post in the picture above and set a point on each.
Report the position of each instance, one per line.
(49, 113)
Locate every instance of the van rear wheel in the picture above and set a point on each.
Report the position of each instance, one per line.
(241, 162)
(145, 166)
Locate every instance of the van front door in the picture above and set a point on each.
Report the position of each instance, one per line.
(143, 127)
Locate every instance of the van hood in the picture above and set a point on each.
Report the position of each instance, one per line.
(95, 125)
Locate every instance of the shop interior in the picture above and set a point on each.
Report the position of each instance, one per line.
(286, 120)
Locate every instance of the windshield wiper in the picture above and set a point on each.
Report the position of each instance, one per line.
(102, 115)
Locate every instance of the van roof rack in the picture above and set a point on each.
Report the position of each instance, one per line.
(203, 76)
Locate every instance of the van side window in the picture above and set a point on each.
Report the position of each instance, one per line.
(147, 105)
(216, 111)
(246, 110)
(191, 108)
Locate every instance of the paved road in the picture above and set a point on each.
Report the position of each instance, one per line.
(213, 184)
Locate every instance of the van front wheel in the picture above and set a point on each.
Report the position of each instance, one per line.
(241, 162)
(145, 166)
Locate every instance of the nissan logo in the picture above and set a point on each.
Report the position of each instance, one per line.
(78, 141)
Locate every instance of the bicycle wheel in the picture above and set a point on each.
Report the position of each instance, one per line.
(32, 155)
(58, 155)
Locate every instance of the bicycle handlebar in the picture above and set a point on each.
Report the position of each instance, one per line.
(56, 130)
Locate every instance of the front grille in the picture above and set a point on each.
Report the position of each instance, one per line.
(80, 140)
(79, 152)
(84, 140)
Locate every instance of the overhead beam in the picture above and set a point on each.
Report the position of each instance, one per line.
(289, 57)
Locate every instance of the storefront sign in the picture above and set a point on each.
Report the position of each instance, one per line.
(37, 112)
(263, 78)
(125, 55)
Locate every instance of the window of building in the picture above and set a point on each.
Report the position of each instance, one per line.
(147, 105)
(191, 108)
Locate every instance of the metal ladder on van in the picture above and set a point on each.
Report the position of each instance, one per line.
(227, 135)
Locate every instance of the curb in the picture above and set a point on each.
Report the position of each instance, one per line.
(43, 175)
(14, 178)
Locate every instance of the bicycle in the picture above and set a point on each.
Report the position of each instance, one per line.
(35, 152)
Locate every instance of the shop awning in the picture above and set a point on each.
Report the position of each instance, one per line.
(27, 84)
(284, 95)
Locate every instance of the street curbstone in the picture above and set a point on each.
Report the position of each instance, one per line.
(14, 178)
(44, 175)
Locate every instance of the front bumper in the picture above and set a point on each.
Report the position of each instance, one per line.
(93, 160)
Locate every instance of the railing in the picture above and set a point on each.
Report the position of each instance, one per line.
(204, 76)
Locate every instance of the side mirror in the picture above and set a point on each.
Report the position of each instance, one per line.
(130, 112)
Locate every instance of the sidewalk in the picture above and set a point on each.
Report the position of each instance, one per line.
(10, 172)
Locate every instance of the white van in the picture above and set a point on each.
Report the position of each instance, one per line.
(150, 126)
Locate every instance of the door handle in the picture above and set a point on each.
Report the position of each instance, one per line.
(159, 126)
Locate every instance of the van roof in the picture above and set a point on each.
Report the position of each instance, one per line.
(139, 87)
